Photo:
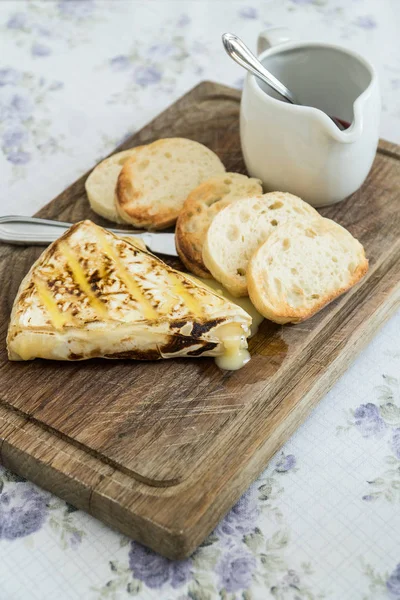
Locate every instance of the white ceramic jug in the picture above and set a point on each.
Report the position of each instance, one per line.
(299, 149)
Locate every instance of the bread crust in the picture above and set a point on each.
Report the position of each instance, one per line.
(200, 208)
(288, 314)
(267, 204)
(282, 312)
(137, 214)
(106, 207)
(131, 195)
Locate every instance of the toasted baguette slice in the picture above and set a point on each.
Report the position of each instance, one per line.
(101, 183)
(155, 182)
(93, 294)
(240, 228)
(303, 266)
(200, 207)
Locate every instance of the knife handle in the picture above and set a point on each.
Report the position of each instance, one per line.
(28, 231)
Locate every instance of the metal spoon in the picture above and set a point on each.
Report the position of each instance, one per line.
(245, 58)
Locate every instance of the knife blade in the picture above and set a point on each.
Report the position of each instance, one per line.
(27, 231)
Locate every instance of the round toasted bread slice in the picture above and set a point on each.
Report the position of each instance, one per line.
(155, 182)
(303, 266)
(101, 183)
(200, 208)
(240, 228)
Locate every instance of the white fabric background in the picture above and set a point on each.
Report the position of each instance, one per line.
(76, 77)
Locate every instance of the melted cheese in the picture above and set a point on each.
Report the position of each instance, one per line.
(235, 353)
(27, 346)
(233, 359)
(244, 303)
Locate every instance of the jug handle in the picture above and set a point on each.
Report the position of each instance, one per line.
(272, 37)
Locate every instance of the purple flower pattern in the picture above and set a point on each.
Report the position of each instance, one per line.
(161, 51)
(183, 20)
(393, 584)
(15, 107)
(368, 498)
(23, 511)
(366, 22)
(285, 463)
(248, 12)
(43, 31)
(242, 517)
(120, 63)
(40, 50)
(145, 76)
(155, 570)
(235, 568)
(18, 21)
(63, 22)
(368, 421)
(374, 421)
(19, 135)
(396, 442)
(77, 9)
(9, 77)
(18, 157)
(75, 539)
(14, 136)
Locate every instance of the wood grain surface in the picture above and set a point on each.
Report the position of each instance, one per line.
(162, 450)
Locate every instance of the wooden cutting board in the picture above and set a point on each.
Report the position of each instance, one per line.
(162, 450)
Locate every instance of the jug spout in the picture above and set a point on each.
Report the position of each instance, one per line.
(345, 132)
(366, 118)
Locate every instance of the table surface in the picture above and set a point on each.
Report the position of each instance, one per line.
(323, 520)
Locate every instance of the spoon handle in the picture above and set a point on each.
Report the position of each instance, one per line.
(245, 58)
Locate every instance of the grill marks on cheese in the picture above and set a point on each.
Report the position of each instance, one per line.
(133, 288)
(79, 277)
(179, 290)
(58, 319)
(98, 280)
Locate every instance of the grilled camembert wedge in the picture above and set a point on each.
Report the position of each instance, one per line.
(93, 294)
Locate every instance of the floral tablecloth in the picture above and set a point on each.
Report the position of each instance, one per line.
(323, 520)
